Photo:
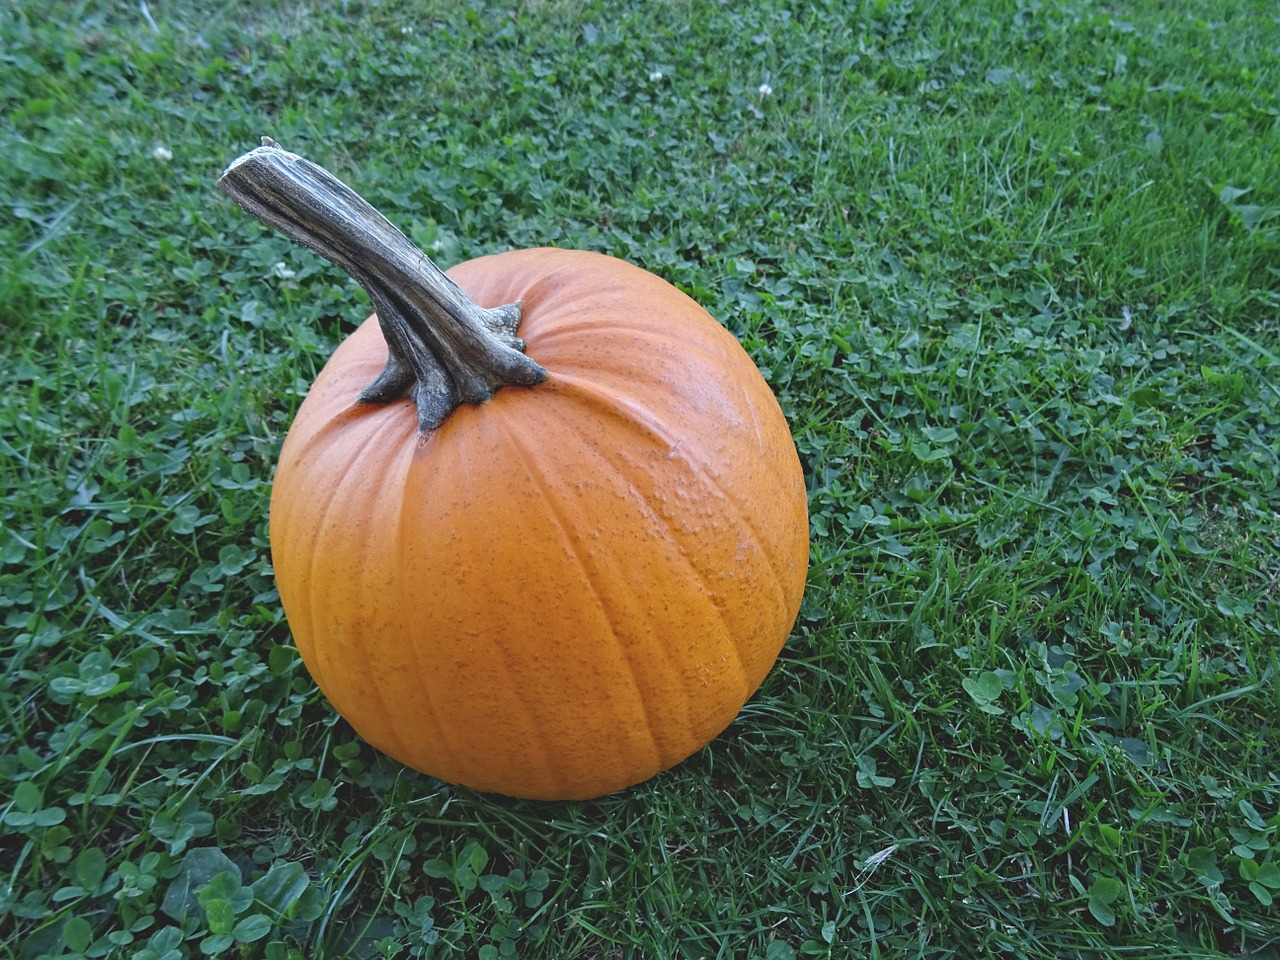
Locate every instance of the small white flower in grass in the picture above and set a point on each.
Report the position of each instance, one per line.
(764, 90)
(162, 154)
(655, 76)
(870, 866)
(281, 271)
(406, 29)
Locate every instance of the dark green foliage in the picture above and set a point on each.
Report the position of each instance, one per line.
(1013, 269)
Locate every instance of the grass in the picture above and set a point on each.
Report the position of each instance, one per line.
(1012, 269)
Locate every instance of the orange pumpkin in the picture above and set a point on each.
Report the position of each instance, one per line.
(563, 589)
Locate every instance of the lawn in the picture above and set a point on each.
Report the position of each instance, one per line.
(1013, 272)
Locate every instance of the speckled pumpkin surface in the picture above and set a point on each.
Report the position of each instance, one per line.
(564, 589)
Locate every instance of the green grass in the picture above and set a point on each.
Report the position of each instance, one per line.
(997, 260)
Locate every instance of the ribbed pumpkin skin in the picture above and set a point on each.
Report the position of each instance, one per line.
(567, 588)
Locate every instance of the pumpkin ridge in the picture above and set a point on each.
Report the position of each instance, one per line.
(755, 420)
(370, 439)
(689, 564)
(551, 771)
(353, 413)
(556, 515)
(317, 671)
(402, 543)
(648, 423)
(595, 327)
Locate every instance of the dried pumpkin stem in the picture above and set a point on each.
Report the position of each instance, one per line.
(444, 348)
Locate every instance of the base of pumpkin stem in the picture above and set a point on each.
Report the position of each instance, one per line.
(414, 371)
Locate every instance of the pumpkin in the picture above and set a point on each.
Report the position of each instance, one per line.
(547, 566)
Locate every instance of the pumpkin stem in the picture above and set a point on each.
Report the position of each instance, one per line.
(444, 348)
